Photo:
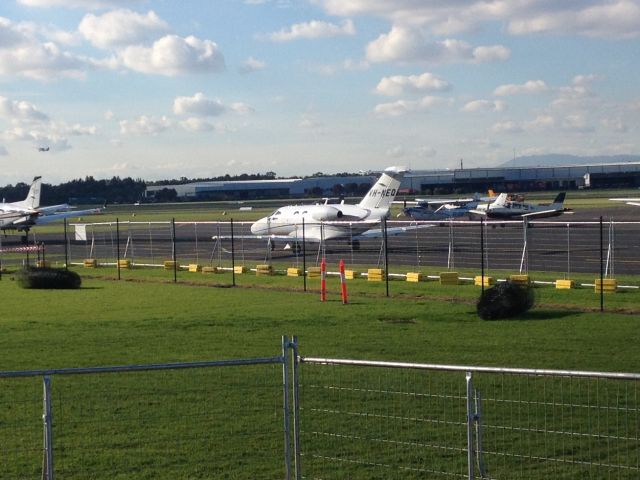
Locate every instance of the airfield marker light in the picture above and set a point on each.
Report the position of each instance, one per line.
(343, 283)
(323, 280)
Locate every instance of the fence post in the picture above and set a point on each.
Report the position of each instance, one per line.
(482, 253)
(66, 246)
(386, 255)
(285, 406)
(470, 425)
(47, 419)
(173, 250)
(233, 256)
(118, 246)
(296, 408)
(304, 258)
(601, 268)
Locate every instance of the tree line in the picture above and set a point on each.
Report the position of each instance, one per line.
(88, 190)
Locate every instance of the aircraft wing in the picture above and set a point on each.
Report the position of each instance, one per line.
(481, 213)
(541, 213)
(391, 231)
(629, 201)
(44, 219)
(64, 207)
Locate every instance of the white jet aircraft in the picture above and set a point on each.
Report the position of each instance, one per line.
(333, 221)
(28, 213)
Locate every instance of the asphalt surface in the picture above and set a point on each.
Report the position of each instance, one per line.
(566, 244)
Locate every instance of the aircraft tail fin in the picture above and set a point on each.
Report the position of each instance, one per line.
(559, 200)
(384, 191)
(501, 200)
(33, 197)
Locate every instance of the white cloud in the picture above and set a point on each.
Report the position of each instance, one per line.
(251, 65)
(3, 151)
(576, 123)
(196, 124)
(85, 4)
(347, 65)
(593, 18)
(55, 142)
(398, 85)
(615, 124)
(529, 87)
(541, 122)
(426, 152)
(21, 110)
(241, 108)
(145, 125)
(23, 53)
(506, 127)
(173, 55)
(122, 27)
(410, 45)
(395, 152)
(403, 107)
(483, 106)
(312, 30)
(198, 105)
(602, 18)
(309, 122)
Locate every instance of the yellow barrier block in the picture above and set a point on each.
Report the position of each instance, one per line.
(608, 285)
(414, 277)
(90, 263)
(42, 264)
(293, 272)
(209, 270)
(194, 267)
(520, 280)
(449, 278)
(375, 274)
(239, 269)
(170, 265)
(264, 269)
(564, 284)
(313, 272)
(124, 263)
(350, 274)
(479, 280)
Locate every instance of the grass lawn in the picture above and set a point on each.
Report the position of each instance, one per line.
(124, 423)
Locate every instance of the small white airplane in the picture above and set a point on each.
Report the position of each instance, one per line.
(28, 213)
(503, 207)
(628, 201)
(443, 209)
(333, 221)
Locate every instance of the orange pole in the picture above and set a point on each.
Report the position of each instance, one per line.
(323, 280)
(343, 283)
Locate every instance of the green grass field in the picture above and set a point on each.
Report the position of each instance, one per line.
(149, 319)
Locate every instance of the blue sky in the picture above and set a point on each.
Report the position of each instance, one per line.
(158, 89)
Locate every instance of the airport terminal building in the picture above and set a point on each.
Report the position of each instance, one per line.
(502, 179)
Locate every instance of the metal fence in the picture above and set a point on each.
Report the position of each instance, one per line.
(566, 248)
(291, 416)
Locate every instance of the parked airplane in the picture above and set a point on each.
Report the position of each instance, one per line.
(443, 209)
(330, 221)
(23, 215)
(628, 201)
(503, 207)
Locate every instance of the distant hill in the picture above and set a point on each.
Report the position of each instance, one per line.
(556, 160)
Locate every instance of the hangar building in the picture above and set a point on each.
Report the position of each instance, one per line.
(463, 180)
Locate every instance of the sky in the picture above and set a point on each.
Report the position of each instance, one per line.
(163, 89)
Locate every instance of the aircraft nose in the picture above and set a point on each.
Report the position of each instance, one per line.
(259, 227)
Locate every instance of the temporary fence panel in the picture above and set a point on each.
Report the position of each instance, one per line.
(394, 420)
(221, 419)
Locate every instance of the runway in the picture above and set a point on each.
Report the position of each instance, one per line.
(566, 244)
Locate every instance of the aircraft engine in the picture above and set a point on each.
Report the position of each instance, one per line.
(326, 213)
